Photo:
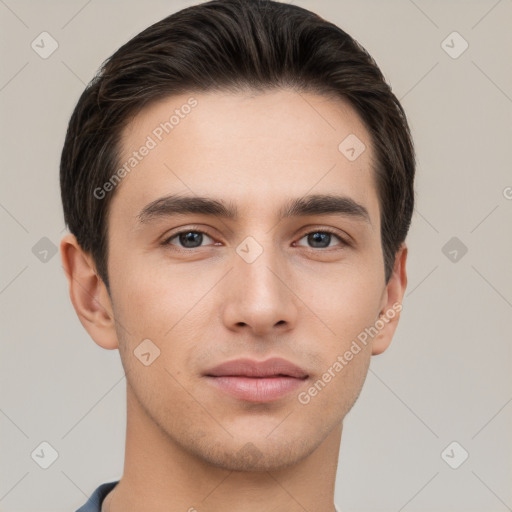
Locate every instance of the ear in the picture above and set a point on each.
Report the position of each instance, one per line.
(391, 304)
(88, 294)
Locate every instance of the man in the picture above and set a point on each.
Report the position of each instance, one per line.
(238, 184)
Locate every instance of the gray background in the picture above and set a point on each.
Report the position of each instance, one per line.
(447, 375)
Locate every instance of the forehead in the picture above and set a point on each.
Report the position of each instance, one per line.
(251, 149)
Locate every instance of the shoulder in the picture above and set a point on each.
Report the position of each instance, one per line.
(94, 502)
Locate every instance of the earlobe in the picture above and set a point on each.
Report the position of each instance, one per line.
(392, 303)
(88, 294)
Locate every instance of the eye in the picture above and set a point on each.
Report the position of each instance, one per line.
(321, 239)
(189, 238)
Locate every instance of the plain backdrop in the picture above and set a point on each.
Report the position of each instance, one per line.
(442, 391)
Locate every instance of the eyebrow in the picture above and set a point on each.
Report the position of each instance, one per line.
(316, 204)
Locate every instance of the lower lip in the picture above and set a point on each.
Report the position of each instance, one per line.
(254, 389)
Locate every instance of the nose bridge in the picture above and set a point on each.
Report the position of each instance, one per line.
(258, 296)
(257, 261)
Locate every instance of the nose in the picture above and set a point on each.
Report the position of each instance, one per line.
(259, 295)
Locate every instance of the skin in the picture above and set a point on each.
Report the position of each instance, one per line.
(185, 440)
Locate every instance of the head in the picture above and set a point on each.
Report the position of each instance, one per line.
(271, 136)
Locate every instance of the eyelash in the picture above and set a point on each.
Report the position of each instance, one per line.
(193, 229)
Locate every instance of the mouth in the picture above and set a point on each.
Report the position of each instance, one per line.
(257, 381)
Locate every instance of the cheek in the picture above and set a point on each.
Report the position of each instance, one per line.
(152, 298)
(152, 305)
(344, 301)
(169, 306)
(343, 308)
(335, 389)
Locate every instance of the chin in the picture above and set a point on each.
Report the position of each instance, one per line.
(255, 453)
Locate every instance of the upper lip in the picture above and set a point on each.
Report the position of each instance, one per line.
(273, 367)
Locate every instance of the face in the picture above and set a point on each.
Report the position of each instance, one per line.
(257, 275)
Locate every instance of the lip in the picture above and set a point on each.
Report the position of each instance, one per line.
(257, 381)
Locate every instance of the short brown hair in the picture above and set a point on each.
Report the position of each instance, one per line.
(232, 45)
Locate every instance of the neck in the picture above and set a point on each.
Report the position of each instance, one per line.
(159, 475)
